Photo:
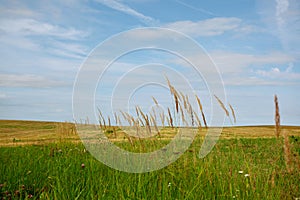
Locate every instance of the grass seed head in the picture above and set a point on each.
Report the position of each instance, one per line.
(222, 106)
(277, 117)
(233, 113)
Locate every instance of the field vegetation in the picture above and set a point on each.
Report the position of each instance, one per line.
(47, 160)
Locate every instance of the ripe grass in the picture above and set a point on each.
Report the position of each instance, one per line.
(184, 115)
(232, 113)
(277, 117)
(290, 161)
(222, 106)
(170, 119)
(201, 110)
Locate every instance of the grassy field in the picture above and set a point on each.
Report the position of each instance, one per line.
(46, 160)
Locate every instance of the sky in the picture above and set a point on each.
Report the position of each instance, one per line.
(254, 45)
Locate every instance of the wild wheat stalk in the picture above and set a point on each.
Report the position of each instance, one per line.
(146, 119)
(185, 100)
(137, 108)
(116, 118)
(100, 124)
(137, 126)
(130, 118)
(148, 125)
(233, 113)
(155, 101)
(143, 115)
(129, 139)
(168, 81)
(137, 111)
(182, 96)
(109, 123)
(116, 122)
(127, 117)
(222, 106)
(101, 118)
(201, 109)
(174, 93)
(287, 152)
(286, 143)
(277, 117)
(190, 111)
(182, 115)
(141, 121)
(176, 102)
(176, 97)
(170, 118)
(154, 113)
(155, 125)
(162, 118)
(198, 120)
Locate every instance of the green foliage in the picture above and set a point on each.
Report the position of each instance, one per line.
(55, 171)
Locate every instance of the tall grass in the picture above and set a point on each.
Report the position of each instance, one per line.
(183, 114)
(277, 117)
(235, 169)
(291, 162)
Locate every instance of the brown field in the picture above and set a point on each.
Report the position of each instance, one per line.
(16, 132)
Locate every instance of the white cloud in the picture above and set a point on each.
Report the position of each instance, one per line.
(248, 28)
(232, 62)
(237, 68)
(27, 80)
(276, 73)
(70, 50)
(19, 42)
(17, 11)
(116, 5)
(290, 67)
(236, 62)
(209, 27)
(282, 19)
(23, 33)
(3, 96)
(148, 34)
(29, 27)
(281, 7)
(252, 81)
(196, 8)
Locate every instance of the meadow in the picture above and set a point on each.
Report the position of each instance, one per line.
(46, 160)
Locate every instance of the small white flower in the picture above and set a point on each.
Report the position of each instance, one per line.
(233, 197)
(246, 175)
(169, 185)
(240, 172)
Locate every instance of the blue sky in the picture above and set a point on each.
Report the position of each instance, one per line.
(254, 44)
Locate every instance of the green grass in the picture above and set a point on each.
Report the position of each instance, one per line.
(53, 171)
